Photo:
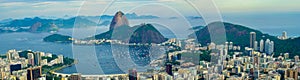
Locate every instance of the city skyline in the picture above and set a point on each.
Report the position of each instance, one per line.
(149, 40)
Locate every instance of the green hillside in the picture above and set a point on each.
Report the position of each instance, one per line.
(239, 35)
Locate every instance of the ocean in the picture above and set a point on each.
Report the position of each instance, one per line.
(114, 59)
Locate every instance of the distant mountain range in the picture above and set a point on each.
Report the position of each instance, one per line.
(120, 30)
(53, 24)
(6, 20)
(43, 25)
(38, 24)
(240, 35)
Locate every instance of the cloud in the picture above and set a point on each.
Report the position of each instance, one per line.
(235, 6)
(11, 4)
(19, 9)
(5, 1)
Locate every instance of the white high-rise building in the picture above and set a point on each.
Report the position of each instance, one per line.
(296, 58)
(30, 58)
(15, 55)
(230, 45)
(221, 56)
(8, 56)
(255, 45)
(12, 54)
(226, 45)
(252, 39)
(269, 47)
(261, 45)
(225, 52)
(286, 55)
(60, 58)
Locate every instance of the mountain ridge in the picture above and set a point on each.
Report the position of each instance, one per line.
(239, 35)
(41, 24)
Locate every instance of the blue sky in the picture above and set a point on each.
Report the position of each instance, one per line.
(60, 8)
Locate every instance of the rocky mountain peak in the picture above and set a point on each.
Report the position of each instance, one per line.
(118, 20)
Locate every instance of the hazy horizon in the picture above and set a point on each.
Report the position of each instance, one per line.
(21, 9)
(270, 16)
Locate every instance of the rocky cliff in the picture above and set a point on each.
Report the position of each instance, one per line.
(118, 20)
(120, 30)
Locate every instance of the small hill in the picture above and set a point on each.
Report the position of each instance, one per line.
(58, 38)
(146, 33)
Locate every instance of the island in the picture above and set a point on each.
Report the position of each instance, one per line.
(58, 38)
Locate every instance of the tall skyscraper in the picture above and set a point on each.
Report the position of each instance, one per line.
(256, 59)
(255, 45)
(261, 45)
(15, 55)
(37, 58)
(179, 56)
(221, 55)
(267, 46)
(296, 58)
(10, 55)
(271, 48)
(167, 57)
(30, 59)
(230, 45)
(225, 52)
(132, 74)
(226, 45)
(169, 69)
(34, 73)
(296, 73)
(60, 59)
(252, 39)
